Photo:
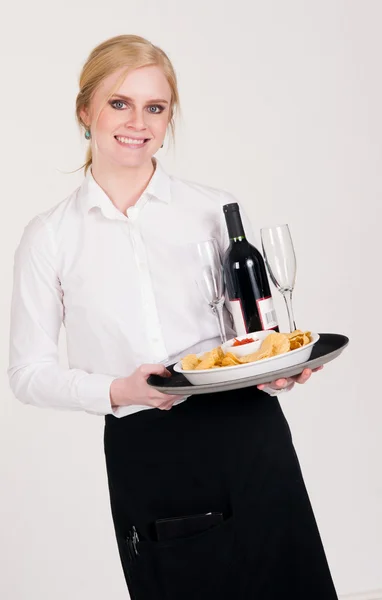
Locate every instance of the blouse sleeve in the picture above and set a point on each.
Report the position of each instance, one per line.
(36, 317)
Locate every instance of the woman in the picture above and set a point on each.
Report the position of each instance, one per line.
(111, 263)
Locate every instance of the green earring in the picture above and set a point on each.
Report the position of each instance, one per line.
(88, 134)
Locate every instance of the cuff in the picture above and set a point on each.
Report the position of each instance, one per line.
(272, 392)
(93, 393)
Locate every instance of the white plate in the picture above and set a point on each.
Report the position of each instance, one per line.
(266, 365)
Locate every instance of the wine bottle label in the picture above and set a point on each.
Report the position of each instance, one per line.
(267, 313)
(238, 316)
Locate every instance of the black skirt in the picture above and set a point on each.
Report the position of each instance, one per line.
(232, 453)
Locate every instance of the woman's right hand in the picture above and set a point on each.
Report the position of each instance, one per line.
(134, 389)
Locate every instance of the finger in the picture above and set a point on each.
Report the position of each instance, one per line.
(154, 369)
(166, 406)
(170, 402)
(305, 375)
(279, 384)
(165, 398)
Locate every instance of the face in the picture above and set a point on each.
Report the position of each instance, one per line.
(132, 125)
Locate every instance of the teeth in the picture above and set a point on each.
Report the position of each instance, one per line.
(125, 140)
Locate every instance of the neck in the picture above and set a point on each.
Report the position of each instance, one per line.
(125, 185)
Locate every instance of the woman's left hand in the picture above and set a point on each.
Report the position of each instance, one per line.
(281, 384)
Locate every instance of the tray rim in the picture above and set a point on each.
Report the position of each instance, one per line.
(259, 379)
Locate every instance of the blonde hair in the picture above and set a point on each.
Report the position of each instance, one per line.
(132, 52)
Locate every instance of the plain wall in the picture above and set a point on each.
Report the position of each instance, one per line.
(281, 107)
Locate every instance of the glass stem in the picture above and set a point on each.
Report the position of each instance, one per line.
(218, 310)
(288, 301)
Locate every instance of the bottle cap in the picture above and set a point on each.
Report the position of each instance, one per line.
(232, 207)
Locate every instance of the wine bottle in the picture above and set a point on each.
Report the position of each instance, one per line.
(246, 279)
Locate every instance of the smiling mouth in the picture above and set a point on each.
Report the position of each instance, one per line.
(131, 142)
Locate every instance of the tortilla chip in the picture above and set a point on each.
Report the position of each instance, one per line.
(277, 343)
(190, 362)
(229, 362)
(294, 334)
(258, 355)
(207, 362)
(296, 343)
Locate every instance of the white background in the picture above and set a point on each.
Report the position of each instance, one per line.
(281, 107)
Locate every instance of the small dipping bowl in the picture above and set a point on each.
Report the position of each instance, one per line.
(240, 351)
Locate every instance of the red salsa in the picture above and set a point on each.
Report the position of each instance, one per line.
(242, 342)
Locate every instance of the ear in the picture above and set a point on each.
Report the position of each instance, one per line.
(84, 114)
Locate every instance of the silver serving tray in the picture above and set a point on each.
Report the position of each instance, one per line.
(328, 348)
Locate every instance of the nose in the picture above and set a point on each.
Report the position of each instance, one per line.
(136, 120)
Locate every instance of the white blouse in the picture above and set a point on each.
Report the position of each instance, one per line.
(122, 285)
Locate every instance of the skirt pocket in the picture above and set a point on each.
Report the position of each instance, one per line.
(193, 568)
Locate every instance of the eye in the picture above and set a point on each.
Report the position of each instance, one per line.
(155, 109)
(114, 104)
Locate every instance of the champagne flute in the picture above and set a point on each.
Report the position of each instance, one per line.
(210, 279)
(280, 259)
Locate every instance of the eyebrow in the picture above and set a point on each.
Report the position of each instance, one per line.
(131, 100)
